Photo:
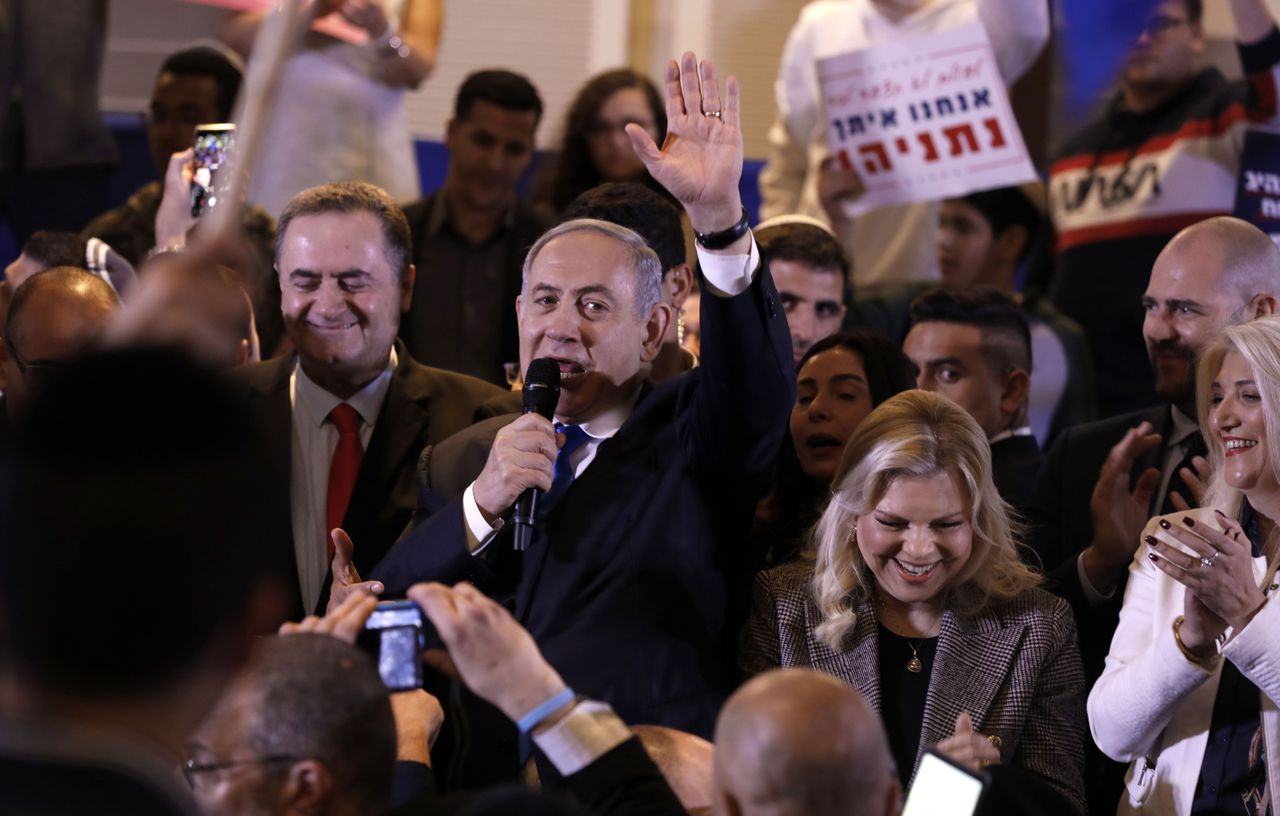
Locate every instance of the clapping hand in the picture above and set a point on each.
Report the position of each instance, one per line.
(971, 749)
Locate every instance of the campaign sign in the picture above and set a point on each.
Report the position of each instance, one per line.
(923, 118)
(1258, 188)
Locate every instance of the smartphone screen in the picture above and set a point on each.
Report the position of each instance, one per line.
(213, 146)
(396, 633)
(943, 788)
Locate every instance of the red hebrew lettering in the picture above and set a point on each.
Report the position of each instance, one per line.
(877, 152)
(957, 133)
(993, 127)
(901, 144)
(930, 151)
(845, 161)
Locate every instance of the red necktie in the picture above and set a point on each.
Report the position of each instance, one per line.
(343, 469)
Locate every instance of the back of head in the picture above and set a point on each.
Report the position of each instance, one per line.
(1006, 334)
(795, 741)
(50, 248)
(214, 62)
(316, 697)
(686, 760)
(71, 293)
(793, 238)
(350, 198)
(138, 514)
(504, 89)
(639, 209)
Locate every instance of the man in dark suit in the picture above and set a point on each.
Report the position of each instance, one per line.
(1102, 481)
(637, 573)
(973, 346)
(348, 415)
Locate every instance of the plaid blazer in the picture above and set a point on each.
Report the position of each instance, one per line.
(1015, 667)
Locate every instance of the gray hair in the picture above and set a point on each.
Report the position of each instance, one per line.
(648, 269)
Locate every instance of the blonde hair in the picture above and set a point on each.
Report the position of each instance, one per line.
(1258, 342)
(914, 434)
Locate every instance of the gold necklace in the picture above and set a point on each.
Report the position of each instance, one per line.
(914, 665)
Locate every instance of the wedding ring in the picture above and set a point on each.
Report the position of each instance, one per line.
(1208, 562)
(714, 113)
(995, 740)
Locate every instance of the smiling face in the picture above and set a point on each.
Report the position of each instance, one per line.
(579, 308)
(1238, 417)
(917, 538)
(611, 150)
(832, 397)
(340, 297)
(489, 149)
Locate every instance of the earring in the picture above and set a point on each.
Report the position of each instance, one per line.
(680, 327)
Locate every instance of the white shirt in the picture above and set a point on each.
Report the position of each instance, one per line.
(726, 275)
(314, 440)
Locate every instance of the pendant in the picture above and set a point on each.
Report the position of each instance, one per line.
(914, 665)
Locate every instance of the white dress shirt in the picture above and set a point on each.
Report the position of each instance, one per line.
(314, 440)
(726, 276)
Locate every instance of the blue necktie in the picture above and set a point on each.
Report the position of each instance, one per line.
(574, 438)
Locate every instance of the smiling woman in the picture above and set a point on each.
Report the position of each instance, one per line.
(1190, 690)
(919, 600)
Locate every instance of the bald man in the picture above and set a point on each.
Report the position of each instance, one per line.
(54, 316)
(796, 741)
(1101, 481)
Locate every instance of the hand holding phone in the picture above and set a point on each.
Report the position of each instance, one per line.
(943, 787)
(397, 633)
(213, 147)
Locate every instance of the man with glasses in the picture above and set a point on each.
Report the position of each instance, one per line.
(55, 315)
(1163, 155)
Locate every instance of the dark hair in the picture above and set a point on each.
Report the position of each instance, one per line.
(888, 370)
(505, 89)
(1006, 335)
(316, 697)
(50, 248)
(1195, 10)
(803, 243)
(637, 208)
(574, 172)
(132, 537)
(354, 197)
(206, 61)
(71, 281)
(1007, 207)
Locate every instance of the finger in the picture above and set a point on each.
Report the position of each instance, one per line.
(1182, 576)
(732, 103)
(1170, 555)
(964, 725)
(710, 92)
(343, 550)
(644, 145)
(439, 660)
(1232, 532)
(1201, 538)
(348, 626)
(689, 84)
(438, 603)
(287, 628)
(1193, 480)
(675, 98)
(1146, 486)
(1179, 503)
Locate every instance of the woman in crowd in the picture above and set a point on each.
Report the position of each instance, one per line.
(839, 380)
(595, 148)
(1192, 682)
(919, 600)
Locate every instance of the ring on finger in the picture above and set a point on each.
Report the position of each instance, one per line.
(1208, 561)
(714, 113)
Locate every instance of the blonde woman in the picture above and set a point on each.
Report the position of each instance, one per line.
(1191, 685)
(919, 600)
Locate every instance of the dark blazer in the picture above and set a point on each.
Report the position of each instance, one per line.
(635, 582)
(1015, 464)
(423, 406)
(1014, 667)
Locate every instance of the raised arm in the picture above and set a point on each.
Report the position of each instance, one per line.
(1018, 30)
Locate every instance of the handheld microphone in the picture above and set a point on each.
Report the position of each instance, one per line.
(540, 395)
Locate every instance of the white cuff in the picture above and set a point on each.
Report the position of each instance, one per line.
(479, 531)
(1091, 594)
(587, 733)
(729, 275)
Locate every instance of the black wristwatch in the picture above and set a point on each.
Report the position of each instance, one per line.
(723, 238)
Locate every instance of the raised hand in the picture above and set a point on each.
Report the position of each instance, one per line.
(700, 162)
(968, 747)
(346, 579)
(1119, 514)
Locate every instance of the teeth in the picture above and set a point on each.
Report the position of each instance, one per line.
(1239, 444)
(913, 570)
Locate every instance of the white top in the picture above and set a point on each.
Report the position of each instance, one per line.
(891, 244)
(314, 440)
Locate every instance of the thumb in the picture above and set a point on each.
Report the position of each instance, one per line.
(343, 548)
(642, 143)
(1146, 486)
(964, 725)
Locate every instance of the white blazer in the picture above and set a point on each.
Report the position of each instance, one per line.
(1152, 707)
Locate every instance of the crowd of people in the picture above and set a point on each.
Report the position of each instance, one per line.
(818, 499)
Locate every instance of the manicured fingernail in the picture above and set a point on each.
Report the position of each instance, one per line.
(1164, 524)
(1187, 521)
(1219, 512)
(1151, 540)
(1152, 556)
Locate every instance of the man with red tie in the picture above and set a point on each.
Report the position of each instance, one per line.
(349, 412)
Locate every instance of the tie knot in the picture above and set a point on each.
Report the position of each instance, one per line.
(345, 418)
(574, 436)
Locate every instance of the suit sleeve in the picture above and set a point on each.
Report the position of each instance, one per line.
(433, 549)
(731, 424)
(624, 782)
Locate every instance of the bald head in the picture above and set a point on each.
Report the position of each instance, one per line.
(55, 315)
(795, 741)
(1247, 260)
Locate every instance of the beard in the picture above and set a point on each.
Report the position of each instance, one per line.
(1174, 365)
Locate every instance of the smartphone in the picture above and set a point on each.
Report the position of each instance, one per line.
(213, 147)
(943, 788)
(396, 634)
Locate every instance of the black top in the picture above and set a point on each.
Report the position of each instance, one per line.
(902, 696)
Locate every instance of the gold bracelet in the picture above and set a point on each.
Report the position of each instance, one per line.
(1182, 647)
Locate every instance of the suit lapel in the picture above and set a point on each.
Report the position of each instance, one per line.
(1161, 420)
(858, 662)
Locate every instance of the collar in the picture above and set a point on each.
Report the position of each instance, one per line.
(317, 403)
(1010, 433)
(607, 424)
(438, 215)
(1183, 427)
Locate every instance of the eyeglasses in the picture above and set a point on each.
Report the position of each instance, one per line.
(1160, 23)
(27, 369)
(192, 769)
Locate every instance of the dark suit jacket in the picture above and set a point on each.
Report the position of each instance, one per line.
(423, 406)
(636, 580)
(1014, 667)
(1015, 464)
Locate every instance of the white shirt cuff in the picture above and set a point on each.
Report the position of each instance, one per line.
(589, 732)
(1091, 594)
(479, 531)
(729, 275)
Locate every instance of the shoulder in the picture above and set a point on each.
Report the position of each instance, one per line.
(1037, 609)
(438, 383)
(789, 587)
(262, 377)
